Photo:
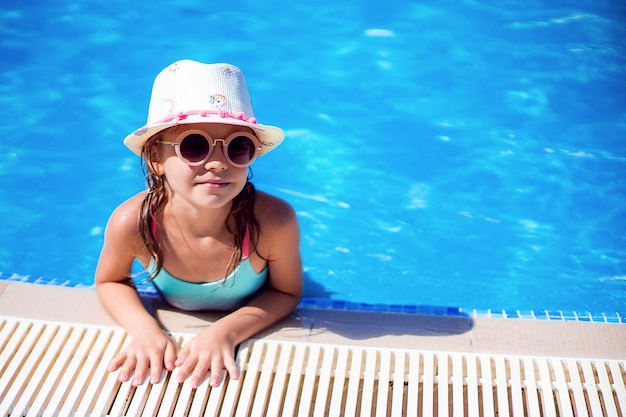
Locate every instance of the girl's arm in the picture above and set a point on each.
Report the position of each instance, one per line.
(150, 347)
(213, 349)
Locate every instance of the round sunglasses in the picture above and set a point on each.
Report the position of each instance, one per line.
(195, 147)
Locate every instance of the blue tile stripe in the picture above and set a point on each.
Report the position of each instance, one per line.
(329, 304)
(616, 317)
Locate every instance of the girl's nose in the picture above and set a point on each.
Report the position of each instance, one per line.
(217, 161)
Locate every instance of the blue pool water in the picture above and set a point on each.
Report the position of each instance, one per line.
(465, 154)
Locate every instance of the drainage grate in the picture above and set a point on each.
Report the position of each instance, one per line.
(59, 369)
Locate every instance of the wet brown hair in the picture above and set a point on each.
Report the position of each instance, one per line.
(241, 213)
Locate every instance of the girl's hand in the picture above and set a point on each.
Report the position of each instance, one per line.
(148, 352)
(212, 352)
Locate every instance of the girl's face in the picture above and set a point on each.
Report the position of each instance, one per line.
(212, 184)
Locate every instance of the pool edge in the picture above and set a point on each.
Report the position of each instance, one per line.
(342, 305)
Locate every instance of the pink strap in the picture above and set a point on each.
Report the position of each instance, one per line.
(245, 248)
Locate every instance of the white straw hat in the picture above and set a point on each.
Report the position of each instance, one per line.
(192, 92)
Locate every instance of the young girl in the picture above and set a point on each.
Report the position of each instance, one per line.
(207, 238)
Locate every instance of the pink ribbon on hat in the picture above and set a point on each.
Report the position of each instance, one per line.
(202, 113)
(206, 113)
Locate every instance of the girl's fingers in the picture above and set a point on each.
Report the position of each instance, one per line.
(199, 372)
(197, 364)
(196, 368)
(141, 370)
(185, 368)
(117, 361)
(220, 367)
(217, 376)
(169, 358)
(217, 370)
(127, 369)
(198, 377)
(182, 356)
(156, 368)
(232, 368)
(145, 358)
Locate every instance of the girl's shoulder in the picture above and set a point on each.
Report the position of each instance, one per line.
(122, 238)
(273, 211)
(280, 232)
(124, 220)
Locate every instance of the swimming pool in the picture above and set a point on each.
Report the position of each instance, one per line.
(464, 155)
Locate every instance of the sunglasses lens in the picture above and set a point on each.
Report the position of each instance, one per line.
(241, 150)
(194, 148)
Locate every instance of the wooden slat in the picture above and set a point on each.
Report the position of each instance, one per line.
(12, 380)
(73, 376)
(354, 380)
(214, 403)
(27, 381)
(576, 388)
(487, 382)
(154, 399)
(294, 382)
(502, 380)
(11, 335)
(428, 405)
(264, 386)
(412, 399)
(369, 378)
(397, 403)
(91, 373)
(169, 392)
(231, 393)
(138, 400)
(66, 342)
(103, 385)
(606, 389)
(119, 401)
(442, 384)
(200, 400)
(618, 384)
(323, 385)
(473, 408)
(341, 374)
(36, 392)
(517, 396)
(384, 378)
(278, 387)
(457, 385)
(591, 388)
(530, 380)
(547, 397)
(308, 385)
(250, 384)
(562, 389)
(180, 403)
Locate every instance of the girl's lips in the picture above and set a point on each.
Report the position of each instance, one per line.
(214, 183)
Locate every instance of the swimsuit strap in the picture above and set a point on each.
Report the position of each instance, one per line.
(245, 248)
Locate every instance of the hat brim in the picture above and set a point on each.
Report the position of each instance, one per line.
(269, 136)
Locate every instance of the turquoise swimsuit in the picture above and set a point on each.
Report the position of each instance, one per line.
(223, 294)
